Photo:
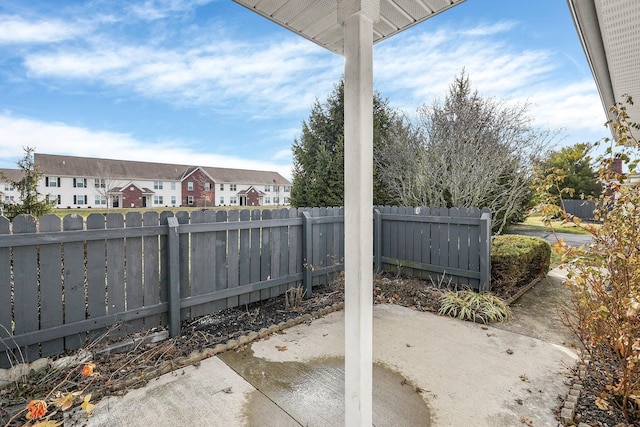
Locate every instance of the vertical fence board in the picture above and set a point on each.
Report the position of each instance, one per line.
(443, 242)
(96, 278)
(265, 256)
(463, 248)
(164, 265)
(233, 261)
(151, 268)
(285, 248)
(426, 240)
(221, 259)
(198, 262)
(185, 265)
(275, 247)
(244, 267)
(116, 286)
(51, 302)
(454, 236)
(417, 238)
(25, 291)
(407, 231)
(5, 295)
(295, 246)
(74, 281)
(255, 253)
(133, 265)
(474, 247)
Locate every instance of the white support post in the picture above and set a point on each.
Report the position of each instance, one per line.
(357, 17)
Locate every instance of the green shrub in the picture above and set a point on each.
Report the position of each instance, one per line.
(517, 260)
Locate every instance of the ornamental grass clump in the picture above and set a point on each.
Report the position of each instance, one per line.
(604, 276)
(469, 305)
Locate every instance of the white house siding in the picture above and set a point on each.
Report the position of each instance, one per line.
(121, 173)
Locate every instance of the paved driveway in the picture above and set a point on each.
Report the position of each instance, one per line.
(569, 238)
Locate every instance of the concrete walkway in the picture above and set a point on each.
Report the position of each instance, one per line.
(429, 370)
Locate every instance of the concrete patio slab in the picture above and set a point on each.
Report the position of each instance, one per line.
(428, 371)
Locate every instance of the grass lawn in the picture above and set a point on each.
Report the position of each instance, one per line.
(534, 223)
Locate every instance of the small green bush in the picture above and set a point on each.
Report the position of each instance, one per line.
(469, 305)
(517, 260)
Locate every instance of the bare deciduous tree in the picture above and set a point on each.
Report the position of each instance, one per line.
(466, 152)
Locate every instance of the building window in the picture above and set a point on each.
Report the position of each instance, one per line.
(99, 183)
(9, 199)
(287, 188)
(158, 185)
(221, 187)
(173, 200)
(222, 200)
(173, 185)
(52, 181)
(286, 200)
(8, 187)
(267, 200)
(276, 200)
(232, 187)
(207, 186)
(267, 188)
(190, 200)
(233, 200)
(158, 200)
(101, 200)
(80, 182)
(190, 186)
(80, 200)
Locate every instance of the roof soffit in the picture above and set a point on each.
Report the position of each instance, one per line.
(317, 20)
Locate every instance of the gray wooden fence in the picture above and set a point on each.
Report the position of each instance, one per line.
(64, 283)
(583, 209)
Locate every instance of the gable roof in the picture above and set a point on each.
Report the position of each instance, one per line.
(12, 174)
(52, 164)
(245, 176)
(57, 165)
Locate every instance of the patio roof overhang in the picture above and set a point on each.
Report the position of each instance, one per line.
(317, 20)
(610, 37)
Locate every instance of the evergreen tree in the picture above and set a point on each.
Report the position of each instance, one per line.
(31, 201)
(575, 162)
(318, 156)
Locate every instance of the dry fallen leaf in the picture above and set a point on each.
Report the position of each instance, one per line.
(281, 347)
(526, 421)
(509, 351)
(523, 377)
(602, 404)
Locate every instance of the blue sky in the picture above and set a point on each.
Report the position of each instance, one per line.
(208, 82)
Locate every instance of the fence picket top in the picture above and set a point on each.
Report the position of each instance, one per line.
(115, 220)
(164, 215)
(5, 225)
(24, 224)
(150, 218)
(133, 219)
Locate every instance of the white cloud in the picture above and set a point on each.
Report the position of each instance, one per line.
(60, 138)
(286, 72)
(16, 30)
(157, 9)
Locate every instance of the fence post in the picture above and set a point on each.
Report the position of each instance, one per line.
(485, 252)
(307, 248)
(173, 258)
(377, 240)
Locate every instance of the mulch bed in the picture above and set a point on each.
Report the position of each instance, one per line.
(231, 328)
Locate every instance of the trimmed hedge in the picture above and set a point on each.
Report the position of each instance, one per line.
(517, 260)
